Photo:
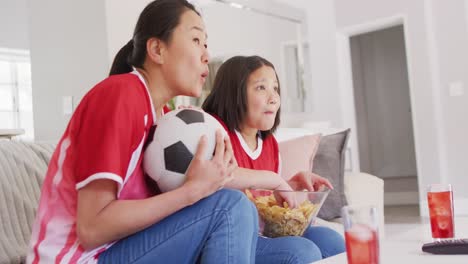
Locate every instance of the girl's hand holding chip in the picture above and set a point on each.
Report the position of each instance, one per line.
(288, 197)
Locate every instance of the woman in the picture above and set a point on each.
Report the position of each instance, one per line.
(95, 206)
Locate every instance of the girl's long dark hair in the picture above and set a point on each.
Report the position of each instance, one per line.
(157, 20)
(228, 97)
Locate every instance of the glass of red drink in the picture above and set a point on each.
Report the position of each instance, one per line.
(440, 202)
(361, 234)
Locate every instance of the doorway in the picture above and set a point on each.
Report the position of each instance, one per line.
(382, 103)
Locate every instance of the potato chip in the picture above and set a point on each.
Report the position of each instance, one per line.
(282, 220)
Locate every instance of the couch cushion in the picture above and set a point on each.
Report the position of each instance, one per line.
(22, 169)
(329, 162)
(298, 154)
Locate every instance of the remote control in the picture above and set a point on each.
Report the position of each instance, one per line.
(447, 247)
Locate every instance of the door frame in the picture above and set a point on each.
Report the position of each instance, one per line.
(346, 85)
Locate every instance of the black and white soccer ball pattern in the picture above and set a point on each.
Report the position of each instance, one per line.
(174, 144)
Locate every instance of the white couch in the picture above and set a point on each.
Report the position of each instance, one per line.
(22, 169)
(361, 189)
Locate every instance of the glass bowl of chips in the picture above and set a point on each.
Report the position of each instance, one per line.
(278, 219)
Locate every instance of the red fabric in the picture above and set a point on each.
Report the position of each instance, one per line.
(103, 140)
(108, 126)
(268, 159)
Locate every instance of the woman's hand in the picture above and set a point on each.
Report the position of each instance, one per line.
(205, 177)
(306, 180)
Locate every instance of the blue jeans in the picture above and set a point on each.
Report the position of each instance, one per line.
(221, 228)
(318, 242)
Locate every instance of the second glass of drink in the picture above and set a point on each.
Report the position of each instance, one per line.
(361, 234)
(440, 202)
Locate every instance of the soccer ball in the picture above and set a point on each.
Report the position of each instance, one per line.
(174, 144)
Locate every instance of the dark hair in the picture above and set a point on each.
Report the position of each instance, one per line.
(228, 98)
(157, 20)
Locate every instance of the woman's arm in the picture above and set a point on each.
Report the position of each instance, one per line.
(101, 218)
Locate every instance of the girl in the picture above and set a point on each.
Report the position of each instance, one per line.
(246, 98)
(95, 206)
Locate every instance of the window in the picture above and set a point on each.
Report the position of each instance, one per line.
(16, 91)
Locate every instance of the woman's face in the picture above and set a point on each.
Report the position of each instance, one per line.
(186, 57)
(263, 99)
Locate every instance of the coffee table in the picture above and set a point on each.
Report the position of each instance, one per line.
(403, 243)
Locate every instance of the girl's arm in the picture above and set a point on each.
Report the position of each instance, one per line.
(101, 218)
(257, 179)
(262, 179)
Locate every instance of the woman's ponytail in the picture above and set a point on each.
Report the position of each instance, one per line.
(122, 60)
(157, 20)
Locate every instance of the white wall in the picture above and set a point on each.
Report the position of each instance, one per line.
(466, 14)
(324, 95)
(451, 44)
(241, 33)
(14, 24)
(436, 41)
(68, 57)
(437, 54)
(73, 45)
(121, 17)
(348, 16)
(251, 34)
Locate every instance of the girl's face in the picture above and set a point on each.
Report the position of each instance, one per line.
(263, 99)
(185, 59)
